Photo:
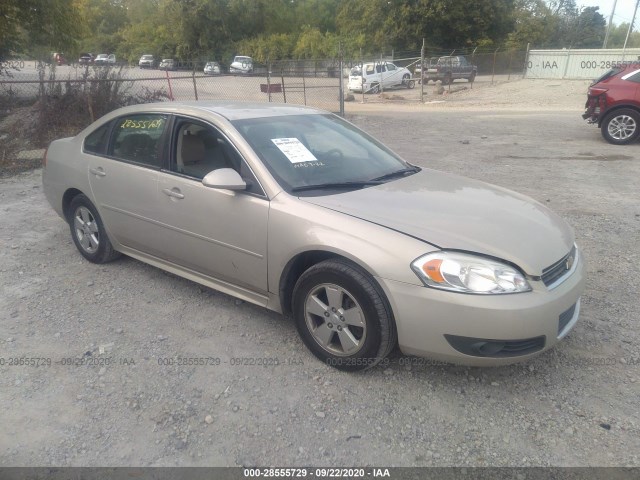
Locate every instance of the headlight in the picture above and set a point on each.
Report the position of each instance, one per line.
(461, 272)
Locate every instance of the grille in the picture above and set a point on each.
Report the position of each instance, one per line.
(514, 348)
(565, 318)
(558, 270)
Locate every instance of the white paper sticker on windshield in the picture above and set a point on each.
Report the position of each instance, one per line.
(294, 150)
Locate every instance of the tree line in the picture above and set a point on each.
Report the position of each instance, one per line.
(280, 29)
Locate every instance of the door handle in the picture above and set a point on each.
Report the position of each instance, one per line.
(98, 172)
(175, 193)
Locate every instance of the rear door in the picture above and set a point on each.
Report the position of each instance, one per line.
(123, 175)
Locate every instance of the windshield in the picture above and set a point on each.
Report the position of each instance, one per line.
(147, 57)
(242, 59)
(304, 150)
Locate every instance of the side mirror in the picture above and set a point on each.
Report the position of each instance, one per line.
(225, 178)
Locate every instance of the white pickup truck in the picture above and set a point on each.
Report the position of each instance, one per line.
(371, 77)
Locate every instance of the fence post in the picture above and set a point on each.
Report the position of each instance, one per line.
(304, 83)
(566, 64)
(195, 88)
(493, 74)
(422, 72)
(169, 82)
(381, 89)
(269, 79)
(87, 93)
(526, 61)
(341, 80)
(473, 62)
(510, 60)
(284, 93)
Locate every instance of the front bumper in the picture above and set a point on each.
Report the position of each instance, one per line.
(468, 329)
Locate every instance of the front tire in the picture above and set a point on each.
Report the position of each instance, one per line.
(621, 127)
(88, 233)
(342, 316)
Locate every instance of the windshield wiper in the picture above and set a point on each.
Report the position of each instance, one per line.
(397, 173)
(328, 186)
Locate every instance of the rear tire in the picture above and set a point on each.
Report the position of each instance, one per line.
(375, 88)
(621, 127)
(342, 316)
(88, 232)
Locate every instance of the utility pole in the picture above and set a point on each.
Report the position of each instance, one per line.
(606, 35)
(633, 20)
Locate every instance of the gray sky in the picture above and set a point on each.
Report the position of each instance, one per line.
(624, 10)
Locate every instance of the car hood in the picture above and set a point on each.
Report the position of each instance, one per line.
(452, 212)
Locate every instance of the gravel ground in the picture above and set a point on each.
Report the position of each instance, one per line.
(573, 406)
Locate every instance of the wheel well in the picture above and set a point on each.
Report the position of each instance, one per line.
(292, 271)
(67, 198)
(613, 109)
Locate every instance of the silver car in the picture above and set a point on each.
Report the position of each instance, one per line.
(299, 211)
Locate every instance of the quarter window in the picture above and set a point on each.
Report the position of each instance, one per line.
(96, 142)
(136, 138)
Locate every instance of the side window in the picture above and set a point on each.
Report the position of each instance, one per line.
(199, 149)
(136, 138)
(96, 142)
(391, 66)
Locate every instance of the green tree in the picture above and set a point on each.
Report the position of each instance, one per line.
(31, 26)
(618, 34)
(534, 23)
(104, 20)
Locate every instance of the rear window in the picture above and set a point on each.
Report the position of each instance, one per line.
(633, 76)
(608, 74)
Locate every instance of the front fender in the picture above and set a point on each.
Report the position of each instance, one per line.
(296, 227)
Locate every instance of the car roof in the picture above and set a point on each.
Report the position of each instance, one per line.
(228, 109)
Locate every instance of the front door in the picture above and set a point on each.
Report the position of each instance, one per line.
(218, 233)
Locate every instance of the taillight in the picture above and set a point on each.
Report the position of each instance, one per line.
(595, 91)
(44, 158)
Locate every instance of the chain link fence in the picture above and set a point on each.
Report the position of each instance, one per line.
(313, 83)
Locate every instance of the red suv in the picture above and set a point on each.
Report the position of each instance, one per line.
(614, 104)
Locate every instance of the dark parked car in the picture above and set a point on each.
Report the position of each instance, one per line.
(613, 103)
(86, 58)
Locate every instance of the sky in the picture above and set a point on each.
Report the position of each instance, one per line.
(624, 10)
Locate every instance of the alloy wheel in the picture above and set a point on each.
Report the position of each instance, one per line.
(335, 320)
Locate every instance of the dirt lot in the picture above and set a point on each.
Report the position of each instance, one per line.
(574, 406)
